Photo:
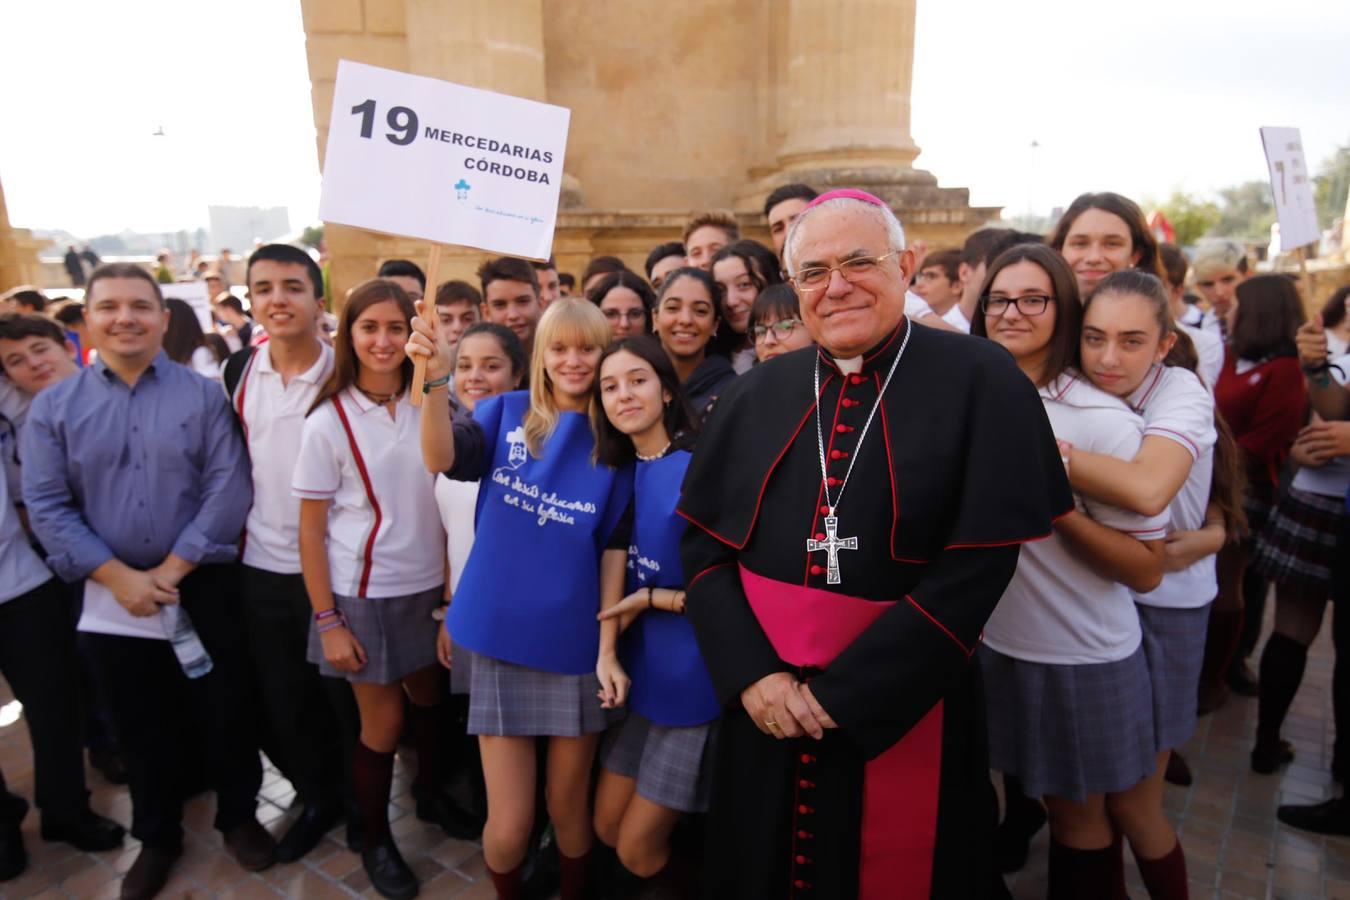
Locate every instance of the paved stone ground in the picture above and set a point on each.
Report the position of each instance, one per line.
(1234, 846)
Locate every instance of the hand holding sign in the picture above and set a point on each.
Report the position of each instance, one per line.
(424, 158)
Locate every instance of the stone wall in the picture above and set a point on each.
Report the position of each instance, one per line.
(675, 108)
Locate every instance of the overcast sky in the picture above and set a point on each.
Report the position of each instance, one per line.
(1167, 96)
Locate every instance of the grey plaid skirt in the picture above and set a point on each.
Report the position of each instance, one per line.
(672, 766)
(1069, 731)
(397, 633)
(510, 700)
(1297, 546)
(1174, 648)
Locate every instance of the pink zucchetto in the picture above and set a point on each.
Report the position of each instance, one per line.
(848, 194)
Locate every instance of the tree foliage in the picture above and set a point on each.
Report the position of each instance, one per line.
(1246, 211)
(1191, 217)
(1330, 186)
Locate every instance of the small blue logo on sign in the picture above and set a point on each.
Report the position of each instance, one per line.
(462, 190)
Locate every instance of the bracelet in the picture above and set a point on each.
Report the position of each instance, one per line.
(328, 614)
(429, 386)
(339, 622)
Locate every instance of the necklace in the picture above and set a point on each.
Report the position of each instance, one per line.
(657, 455)
(379, 399)
(833, 543)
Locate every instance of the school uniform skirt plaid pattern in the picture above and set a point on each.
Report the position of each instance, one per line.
(398, 635)
(510, 700)
(1069, 731)
(670, 765)
(1297, 546)
(1174, 648)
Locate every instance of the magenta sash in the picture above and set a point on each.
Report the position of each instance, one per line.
(810, 627)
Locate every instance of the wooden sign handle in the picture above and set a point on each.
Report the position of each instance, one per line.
(429, 304)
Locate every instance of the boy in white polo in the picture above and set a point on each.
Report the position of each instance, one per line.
(271, 387)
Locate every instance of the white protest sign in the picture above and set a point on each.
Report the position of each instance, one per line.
(425, 158)
(1294, 205)
(194, 294)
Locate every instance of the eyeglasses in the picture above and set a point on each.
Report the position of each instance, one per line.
(631, 315)
(1030, 305)
(782, 329)
(854, 270)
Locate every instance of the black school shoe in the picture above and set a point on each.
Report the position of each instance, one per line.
(306, 832)
(88, 831)
(1331, 817)
(1267, 758)
(388, 872)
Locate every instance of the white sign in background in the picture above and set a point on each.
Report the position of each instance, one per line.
(420, 157)
(194, 294)
(1294, 205)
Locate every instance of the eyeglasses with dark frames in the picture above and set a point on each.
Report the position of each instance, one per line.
(1030, 305)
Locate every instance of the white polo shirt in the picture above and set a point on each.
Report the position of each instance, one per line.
(1209, 347)
(384, 532)
(458, 502)
(273, 415)
(1177, 406)
(955, 317)
(1056, 609)
(916, 307)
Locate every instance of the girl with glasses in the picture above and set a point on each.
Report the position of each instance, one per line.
(1066, 680)
(778, 326)
(627, 301)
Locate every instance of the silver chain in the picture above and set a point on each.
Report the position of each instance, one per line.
(820, 434)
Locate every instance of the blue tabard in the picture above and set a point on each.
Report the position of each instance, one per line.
(659, 652)
(530, 590)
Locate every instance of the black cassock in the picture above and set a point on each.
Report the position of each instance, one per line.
(958, 469)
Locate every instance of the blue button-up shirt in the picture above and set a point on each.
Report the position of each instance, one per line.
(134, 472)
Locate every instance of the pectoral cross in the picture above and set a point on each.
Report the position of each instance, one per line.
(832, 544)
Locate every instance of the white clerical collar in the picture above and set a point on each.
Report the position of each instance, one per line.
(849, 366)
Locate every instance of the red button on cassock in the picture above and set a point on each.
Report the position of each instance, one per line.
(801, 885)
(803, 860)
(807, 759)
(856, 379)
(836, 454)
(832, 481)
(842, 429)
(806, 785)
(824, 510)
(805, 810)
(804, 835)
(820, 535)
(817, 570)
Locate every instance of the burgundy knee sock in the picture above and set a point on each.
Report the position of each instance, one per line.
(576, 871)
(372, 775)
(1165, 878)
(1081, 874)
(509, 885)
(425, 726)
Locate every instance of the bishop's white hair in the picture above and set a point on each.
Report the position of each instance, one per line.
(895, 232)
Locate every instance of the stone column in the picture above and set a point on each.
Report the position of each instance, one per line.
(497, 46)
(18, 253)
(850, 66)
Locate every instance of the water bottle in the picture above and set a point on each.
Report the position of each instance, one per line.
(187, 646)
